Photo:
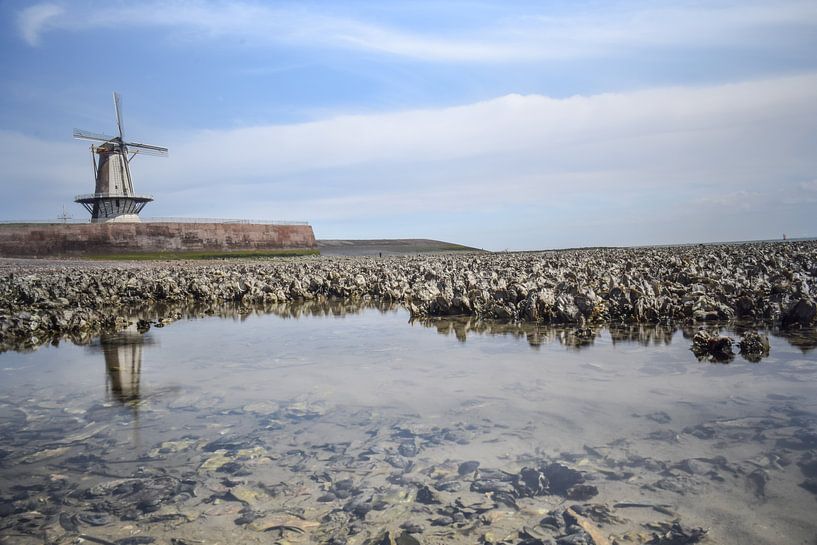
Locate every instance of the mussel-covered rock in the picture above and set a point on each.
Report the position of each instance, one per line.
(754, 346)
(562, 478)
(802, 312)
(706, 345)
(768, 283)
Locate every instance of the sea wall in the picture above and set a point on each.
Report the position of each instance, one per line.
(46, 240)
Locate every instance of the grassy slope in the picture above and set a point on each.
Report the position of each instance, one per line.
(389, 247)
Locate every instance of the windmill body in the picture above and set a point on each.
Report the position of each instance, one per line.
(113, 198)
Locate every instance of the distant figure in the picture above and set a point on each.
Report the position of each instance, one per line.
(381, 253)
(784, 236)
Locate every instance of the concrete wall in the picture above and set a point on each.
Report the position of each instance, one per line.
(45, 240)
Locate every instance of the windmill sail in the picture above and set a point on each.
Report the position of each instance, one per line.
(146, 149)
(87, 135)
(117, 105)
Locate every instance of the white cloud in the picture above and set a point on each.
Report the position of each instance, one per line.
(809, 186)
(532, 163)
(525, 36)
(532, 126)
(34, 20)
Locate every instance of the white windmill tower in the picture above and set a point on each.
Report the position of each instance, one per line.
(113, 198)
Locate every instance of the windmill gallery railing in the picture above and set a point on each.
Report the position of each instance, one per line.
(89, 196)
(164, 220)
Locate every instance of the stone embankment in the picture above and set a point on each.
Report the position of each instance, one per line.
(768, 283)
(92, 239)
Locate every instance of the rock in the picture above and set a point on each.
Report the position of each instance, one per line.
(561, 478)
(676, 534)
(426, 496)
(358, 507)
(533, 536)
(412, 527)
(407, 538)
(94, 519)
(810, 485)
(493, 486)
(693, 467)
(764, 282)
(135, 540)
(756, 481)
(554, 521)
(383, 538)
(659, 416)
(68, 523)
(588, 531)
(467, 467)
(808, 467)
(142, 326)
(802, 312)
(530, 482)
(246, 495)
(408, 449)
(705, 345)
(754, 347)
(578, 538)
(581, 492)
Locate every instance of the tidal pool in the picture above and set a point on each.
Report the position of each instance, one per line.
(354, 425)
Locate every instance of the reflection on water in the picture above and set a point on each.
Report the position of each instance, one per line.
(644, 334)
(123, 351)
(123, 364)
(335, 423)
(537, 335)
(805, 339)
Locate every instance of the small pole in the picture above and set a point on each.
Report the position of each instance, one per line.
(64, 217)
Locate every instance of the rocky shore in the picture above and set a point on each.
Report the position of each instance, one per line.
(764, 283)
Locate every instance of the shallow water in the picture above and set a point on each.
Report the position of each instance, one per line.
(324, 427)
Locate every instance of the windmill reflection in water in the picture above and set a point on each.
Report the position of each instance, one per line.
(123, 365)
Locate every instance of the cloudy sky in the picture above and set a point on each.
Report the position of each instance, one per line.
(503, 125)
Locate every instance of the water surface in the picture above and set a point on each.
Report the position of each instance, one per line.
(321, 426)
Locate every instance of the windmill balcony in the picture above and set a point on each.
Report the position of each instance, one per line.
(91, 196)
(119, 207)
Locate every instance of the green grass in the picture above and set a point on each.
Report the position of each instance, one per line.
(235, 254)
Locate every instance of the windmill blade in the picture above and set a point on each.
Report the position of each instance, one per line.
(117, 104)
(146, 149)
(87, 135)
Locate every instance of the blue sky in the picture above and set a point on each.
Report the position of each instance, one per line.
(504, 125)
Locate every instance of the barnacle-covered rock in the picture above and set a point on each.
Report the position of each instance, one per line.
(706, 345)
(754, 346)
(769, 283)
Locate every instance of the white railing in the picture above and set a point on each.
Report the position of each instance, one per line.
(90, 196)
(221, 220)
(58, 220)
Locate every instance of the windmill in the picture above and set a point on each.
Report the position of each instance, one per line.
(113, 198)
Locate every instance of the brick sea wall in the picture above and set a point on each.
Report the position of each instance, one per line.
(46, 240)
